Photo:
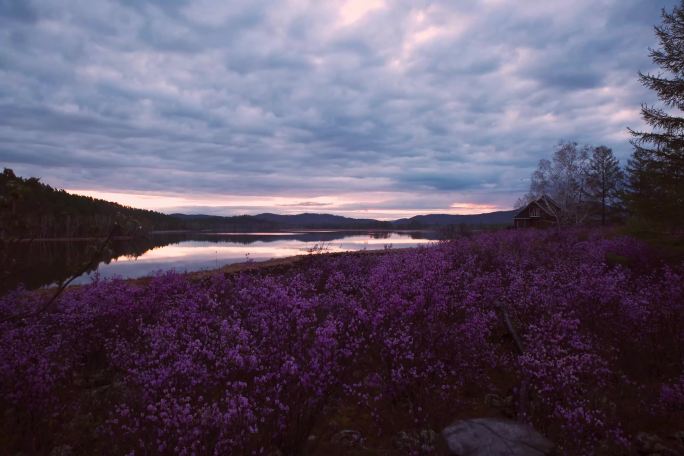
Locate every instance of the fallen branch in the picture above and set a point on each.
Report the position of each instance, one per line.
(523, 392)
(511, 329)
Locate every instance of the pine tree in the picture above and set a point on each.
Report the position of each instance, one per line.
(656, 171)
(604, 179)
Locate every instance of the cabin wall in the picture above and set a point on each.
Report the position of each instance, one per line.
(523, 219)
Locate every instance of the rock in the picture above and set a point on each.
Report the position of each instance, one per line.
(348, 438)
(495, 437)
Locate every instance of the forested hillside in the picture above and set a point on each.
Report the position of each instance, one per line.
(31, 209)
(502, 218)
(275, 222)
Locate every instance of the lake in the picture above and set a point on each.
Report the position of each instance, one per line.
(43, 263)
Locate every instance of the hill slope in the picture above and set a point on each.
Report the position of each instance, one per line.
(490, 218)
(31, 209)
(310, 220)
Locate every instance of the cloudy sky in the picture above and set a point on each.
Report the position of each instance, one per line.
(373, 108)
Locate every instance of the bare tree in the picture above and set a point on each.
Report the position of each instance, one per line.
(564, 179)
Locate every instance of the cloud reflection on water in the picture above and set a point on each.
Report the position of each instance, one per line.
(193, 255)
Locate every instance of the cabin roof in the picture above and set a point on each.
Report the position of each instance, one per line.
(546, 200)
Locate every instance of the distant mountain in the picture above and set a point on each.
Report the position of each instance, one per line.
(234, 223)
(268, 221)
(432, 220)
(309, 220)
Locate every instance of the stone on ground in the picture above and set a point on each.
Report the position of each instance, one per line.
(495, 437)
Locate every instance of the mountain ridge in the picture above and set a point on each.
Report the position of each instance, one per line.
(324, 220)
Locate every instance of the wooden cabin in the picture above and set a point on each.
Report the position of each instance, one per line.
(540, 213)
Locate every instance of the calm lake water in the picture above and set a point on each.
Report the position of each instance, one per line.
(45, 263)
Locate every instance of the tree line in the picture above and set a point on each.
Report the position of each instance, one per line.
(588, 183)
(31, 209)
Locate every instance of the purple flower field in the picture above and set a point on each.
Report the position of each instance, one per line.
(258, 362)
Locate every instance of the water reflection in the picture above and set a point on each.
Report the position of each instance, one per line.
(38, 264)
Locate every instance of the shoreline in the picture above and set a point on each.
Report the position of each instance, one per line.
(273, 263)
(243, 266)
(232, 233)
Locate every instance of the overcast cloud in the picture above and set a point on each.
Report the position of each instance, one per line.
(363, 108)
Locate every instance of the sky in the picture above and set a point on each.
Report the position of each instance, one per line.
(363, 108)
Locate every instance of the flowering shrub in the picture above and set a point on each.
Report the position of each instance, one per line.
(251, 362)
